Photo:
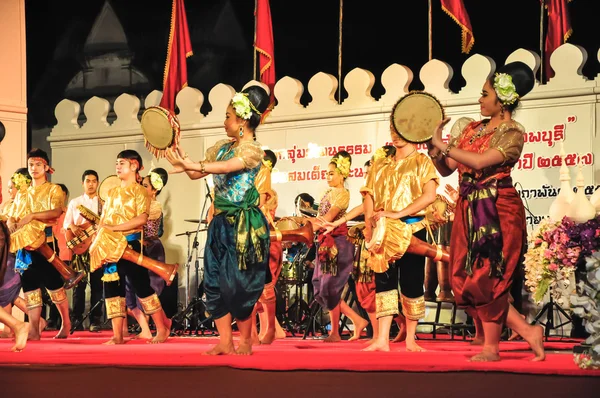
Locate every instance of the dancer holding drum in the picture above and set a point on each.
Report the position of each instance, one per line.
(237, 247)
(396, 195)
(117, 248)
(489, 233)
(30, 220)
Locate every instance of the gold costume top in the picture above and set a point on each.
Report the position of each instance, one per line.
(263, 186)
(338, 197)
(507, 138)
(5, 209)
(125, 203)
(35, 199)
(394, 185)
(122, 205)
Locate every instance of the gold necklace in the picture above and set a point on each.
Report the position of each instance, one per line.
(482, 131)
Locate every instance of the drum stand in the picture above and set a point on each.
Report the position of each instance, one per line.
(300, 308)
(550, 308)
(194, 309)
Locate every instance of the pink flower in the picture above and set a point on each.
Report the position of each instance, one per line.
(548, 254)
(552, 267)
(538, 242)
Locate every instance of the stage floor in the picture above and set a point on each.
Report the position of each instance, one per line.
(442, 355)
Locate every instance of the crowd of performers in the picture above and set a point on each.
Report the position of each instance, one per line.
(242, 262)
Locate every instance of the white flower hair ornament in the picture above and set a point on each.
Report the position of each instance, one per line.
(156, 180)
(505, 88)
(243, 106)
(342, 165)
(20, 181)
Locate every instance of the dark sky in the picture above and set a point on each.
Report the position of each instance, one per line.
(376, 34)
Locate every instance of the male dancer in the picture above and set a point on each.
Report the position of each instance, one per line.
(123, 217)
(35, 209)
(81, 262)
(399, 190)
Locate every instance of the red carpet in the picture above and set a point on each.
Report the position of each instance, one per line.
(85, 348)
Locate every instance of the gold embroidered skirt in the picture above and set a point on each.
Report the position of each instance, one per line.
(30, 236)
(394, 239)
(108, 247)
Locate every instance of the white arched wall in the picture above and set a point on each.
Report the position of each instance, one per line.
(567, 106)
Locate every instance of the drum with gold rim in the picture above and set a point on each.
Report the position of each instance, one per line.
(161, 130)
(107, 184)
(416, 115)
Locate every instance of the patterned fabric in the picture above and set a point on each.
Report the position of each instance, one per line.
(233, 186)
(473, 287)
(338, 197)
(155, 219)
(507, 138)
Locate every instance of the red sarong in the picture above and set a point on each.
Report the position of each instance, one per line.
(482, 294)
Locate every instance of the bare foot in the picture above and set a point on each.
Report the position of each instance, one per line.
(485, 356)
(221, 349)
(244, 348)
(161, 336)
(33, 335)
(6, 333)
(371, 341)
(332, 338)
(279, 332)
(115, 341)
(254, 338)
(378, 346)
(535, 338)
(401, 336)
(514, 335)
(63, 333)
(268, 337)
(477, 341)
(42, 325)
(142, 335)
(21, 332)
(358, 328)
(414, 347)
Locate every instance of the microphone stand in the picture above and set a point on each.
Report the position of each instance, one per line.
(191, 304)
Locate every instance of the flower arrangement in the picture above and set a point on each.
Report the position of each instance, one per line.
(586, 304)
(505, 88)
(555, 249)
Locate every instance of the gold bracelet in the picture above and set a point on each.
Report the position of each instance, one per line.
(447, 150)
(202, 165)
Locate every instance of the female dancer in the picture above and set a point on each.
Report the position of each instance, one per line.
(237, 247)
(489, 234)
(10, 285)
(334, 251)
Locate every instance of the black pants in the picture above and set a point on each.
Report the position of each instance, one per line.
(95, 279)
(137, 274)
(410, 270)
(40, 274)
(168, 298)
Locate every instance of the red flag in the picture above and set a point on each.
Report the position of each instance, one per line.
(265, 46)
(559, 29)
(180, 48)
(456, 10)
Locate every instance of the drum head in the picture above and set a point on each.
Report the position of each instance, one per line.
(416, 115)
(161, 130)
(288, 224)
(106, 185)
